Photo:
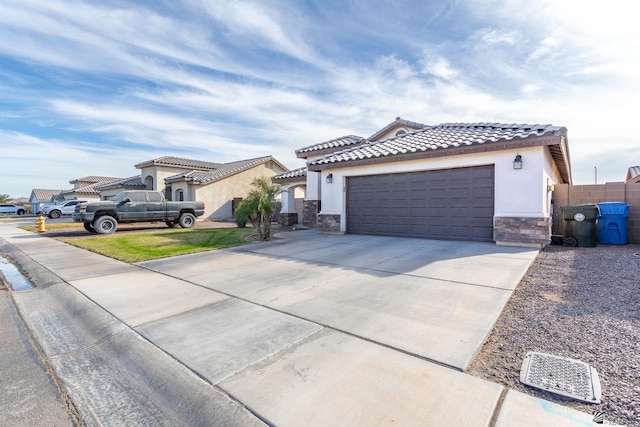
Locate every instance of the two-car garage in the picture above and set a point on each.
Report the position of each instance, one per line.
(448, 204)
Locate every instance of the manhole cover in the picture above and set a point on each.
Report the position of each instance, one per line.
(561, 375)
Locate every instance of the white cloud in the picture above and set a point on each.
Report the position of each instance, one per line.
(492, 36)
(440, 67)
(218, 78)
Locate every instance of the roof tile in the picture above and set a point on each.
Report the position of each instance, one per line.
(221, 171)
(443, 136)
(180, 162)
(344, 141)
(292, 174)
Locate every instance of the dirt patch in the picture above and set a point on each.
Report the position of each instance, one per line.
(581, 303)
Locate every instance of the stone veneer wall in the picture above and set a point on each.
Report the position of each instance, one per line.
(518, 230)
(288, 219)
(310, 211)
(330, 223)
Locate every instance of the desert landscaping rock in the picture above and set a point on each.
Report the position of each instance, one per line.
(581, 303)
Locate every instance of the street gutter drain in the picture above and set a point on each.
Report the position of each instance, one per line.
(13, 277)
(561, 375)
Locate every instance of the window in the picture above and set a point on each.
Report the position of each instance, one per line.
(137, 196)
(155, 197)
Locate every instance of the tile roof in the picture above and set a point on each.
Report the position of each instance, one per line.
(87, 189)
(180, 162)
(93, 179)
(131, 182)
(330, 146)
(43, 195)
(293, 175)
(222, 171)
(633, 175)
(398, 122)
(444, 139)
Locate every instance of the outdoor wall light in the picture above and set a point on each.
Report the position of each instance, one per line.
(329, 178)
(517, 162)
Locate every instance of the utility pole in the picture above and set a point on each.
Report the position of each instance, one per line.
(596, 174)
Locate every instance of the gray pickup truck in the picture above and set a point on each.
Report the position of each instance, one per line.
(136, 206)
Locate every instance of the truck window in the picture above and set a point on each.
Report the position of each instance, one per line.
(155, 197)
(137, 196)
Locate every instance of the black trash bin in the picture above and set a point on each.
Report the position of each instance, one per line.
(612, 223)
(580, 225)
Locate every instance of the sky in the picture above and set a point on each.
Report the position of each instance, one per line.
(95, 87)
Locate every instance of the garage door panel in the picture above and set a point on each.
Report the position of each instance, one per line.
(453, 204)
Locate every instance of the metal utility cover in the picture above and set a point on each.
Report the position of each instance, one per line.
(561, 375)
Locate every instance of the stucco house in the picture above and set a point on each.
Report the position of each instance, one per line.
(111, 189)
(633, 174)
(216, 184)
(40, 196)
(84, 188)
(301, 202)
(487, 182)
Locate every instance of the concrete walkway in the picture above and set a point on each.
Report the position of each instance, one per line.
(307, 330)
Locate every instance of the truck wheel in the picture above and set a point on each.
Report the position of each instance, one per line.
(170, 224)
(89, 227)
(105, 225)
(54, 214)
(187, 220)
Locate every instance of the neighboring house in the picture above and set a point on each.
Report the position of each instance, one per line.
(216, 184)
(486, 182)
(22, 201)
(633, 175)
(40, 196)
(111, 189)
(85, 188)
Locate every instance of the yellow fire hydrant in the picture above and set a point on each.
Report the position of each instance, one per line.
(40, 224)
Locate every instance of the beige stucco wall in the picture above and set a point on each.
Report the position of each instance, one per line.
(87, 197)
(218, 196)
(158, 174)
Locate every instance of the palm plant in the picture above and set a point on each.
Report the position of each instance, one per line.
(258, 207)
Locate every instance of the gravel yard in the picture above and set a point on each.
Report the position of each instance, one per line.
(581, 303)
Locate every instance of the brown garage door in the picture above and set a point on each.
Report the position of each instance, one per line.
(449, 204)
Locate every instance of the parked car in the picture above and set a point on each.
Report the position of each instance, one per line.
(136, 206)
(8, 208)
(44, 206)
(66, 208)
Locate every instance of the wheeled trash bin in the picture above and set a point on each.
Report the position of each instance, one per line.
(612, 223)
(580, 225)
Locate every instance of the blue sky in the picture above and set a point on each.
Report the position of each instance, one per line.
(92, 88)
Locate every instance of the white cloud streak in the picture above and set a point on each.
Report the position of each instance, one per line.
(230, 80)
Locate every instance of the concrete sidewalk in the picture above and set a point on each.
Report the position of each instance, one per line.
(306, 330)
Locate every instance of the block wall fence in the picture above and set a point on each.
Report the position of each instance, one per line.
(571, 195)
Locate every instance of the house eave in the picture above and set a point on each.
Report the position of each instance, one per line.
(557, 141)
(292, 180)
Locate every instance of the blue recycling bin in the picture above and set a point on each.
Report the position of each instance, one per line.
(612, 223)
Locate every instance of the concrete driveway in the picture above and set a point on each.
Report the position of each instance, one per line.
(434, 299)
(307, 330)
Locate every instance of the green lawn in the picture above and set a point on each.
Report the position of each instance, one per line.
(135, 247)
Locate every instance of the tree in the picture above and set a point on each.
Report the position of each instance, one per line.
(4, 198)
(259, 206)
